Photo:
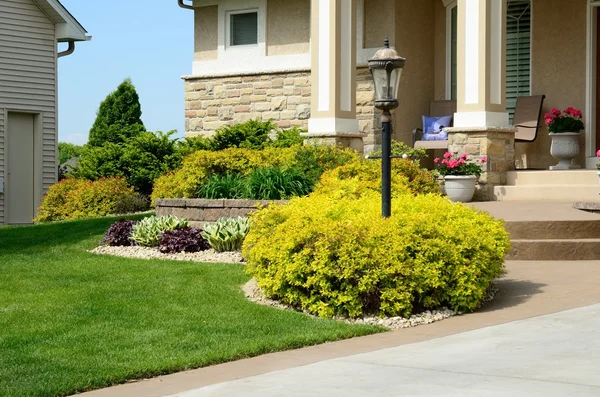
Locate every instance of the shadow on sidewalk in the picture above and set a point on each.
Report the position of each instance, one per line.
(512, 293)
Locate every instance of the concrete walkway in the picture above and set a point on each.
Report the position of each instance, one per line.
(530, 289)
(554, 355)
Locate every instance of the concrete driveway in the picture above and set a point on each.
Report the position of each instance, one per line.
(552, 355)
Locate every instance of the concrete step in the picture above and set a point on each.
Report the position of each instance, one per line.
(555, 249)
(554, 178)
(557, 193)
(548, 230)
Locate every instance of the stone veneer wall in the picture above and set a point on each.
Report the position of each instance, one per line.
(212, 102)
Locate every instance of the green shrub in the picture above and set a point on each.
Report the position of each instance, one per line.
(288, 138)
(400, 149)
(227, 234)
(199, 166)
(131, 204)
(147, 231)
(253, 134)
(227, 186)
(333, 254)
(77, 198)
(140, 160)
(274, 183)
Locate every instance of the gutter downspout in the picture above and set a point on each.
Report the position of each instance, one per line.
(68, 51)
(183, 5)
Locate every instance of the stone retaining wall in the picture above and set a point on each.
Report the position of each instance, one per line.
(212, 102)
(199, 211)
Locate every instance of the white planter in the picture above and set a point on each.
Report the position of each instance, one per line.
(565, 147)
(460, 188)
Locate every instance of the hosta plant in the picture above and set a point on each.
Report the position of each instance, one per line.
(119, 233)
(147, 231)
(187, 239)
(227, 234)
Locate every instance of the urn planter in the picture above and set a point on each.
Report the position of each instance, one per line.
(565, 147)
(460, 188)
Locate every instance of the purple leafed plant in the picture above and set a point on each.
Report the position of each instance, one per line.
(118, 234)
(186, 239)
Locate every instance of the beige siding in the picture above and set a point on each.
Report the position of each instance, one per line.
(206, 29)
(28, 77)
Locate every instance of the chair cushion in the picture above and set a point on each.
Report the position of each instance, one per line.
(431, 144)
(433, 128)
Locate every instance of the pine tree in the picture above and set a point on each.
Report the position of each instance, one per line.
(119, 116)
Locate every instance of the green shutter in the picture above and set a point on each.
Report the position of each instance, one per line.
(518, 52)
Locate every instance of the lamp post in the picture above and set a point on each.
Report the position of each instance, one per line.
(386, 68)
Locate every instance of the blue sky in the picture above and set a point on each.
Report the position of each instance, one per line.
(150, 41)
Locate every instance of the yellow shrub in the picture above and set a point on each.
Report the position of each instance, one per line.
(333, 254)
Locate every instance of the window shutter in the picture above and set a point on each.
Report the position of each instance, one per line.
(518, 53)
(244, 28)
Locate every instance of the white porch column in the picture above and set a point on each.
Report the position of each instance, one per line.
(481, 64)
(333, 52)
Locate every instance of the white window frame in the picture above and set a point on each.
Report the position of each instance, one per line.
(228, 15)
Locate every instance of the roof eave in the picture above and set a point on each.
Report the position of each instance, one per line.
(67, 27)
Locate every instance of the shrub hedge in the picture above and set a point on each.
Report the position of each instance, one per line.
(78, 198)
(331, 253)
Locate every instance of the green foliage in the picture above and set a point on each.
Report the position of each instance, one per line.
(227, 234)
(274, 183)
(140, 160)
(66, 151)
(400, 149)
(226, 186)
(332, 254)
(119, 116)
(77, 198)
(199, 166)
(253, 134)
(288, 138)
(147, 231)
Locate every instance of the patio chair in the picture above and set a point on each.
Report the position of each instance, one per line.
(436, 109)
(527, 117)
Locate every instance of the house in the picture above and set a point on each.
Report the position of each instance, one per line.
(303, 63)
(29, 33)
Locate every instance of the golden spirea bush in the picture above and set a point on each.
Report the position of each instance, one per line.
(332, 254)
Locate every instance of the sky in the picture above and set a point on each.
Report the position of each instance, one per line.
(149, 41)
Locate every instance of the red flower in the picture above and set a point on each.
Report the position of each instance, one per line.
(484, 159)
(555, 111)
(576, 113)
(569, 110)
(463, 156)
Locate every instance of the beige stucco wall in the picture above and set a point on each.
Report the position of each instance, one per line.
(206, 29)
(439, 50)
(558, 70)
(288, 27)
(379, 22)
(415, 34)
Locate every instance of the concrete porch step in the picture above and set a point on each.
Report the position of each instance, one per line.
(554, 229)
(557, 193)
(554, 178)
(555, 249)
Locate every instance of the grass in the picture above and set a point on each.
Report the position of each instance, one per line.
(71, 321)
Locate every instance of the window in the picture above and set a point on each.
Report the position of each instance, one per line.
(243, 29)
(518, 52)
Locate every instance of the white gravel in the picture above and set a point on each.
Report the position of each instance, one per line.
(153, 253)
(255, 294)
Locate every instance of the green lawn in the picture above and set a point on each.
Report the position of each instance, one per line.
(72, 321)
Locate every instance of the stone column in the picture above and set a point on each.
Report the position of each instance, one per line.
(481, 124)
(333, 51)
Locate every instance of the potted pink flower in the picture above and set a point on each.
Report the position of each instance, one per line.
(564, 129)
(460, 175)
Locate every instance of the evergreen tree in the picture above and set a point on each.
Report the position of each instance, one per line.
(119, 116)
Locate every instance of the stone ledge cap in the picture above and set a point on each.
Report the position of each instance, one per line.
(341, 134)
(506, 130)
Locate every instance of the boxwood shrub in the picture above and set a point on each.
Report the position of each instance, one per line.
(331, 253)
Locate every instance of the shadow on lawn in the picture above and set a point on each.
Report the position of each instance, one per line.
(44, 236)
(513, 293)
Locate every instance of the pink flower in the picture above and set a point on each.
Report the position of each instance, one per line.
(453, 163)
(463, 156)
(549, 120)
(436, 160)
(447, 155)
(445, 162)
(555, 111)
(461, 162)
(598, 153)
(569, 110)
(484, 159)
(576, 113)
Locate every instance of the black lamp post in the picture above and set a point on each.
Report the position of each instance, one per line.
(386, 68)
